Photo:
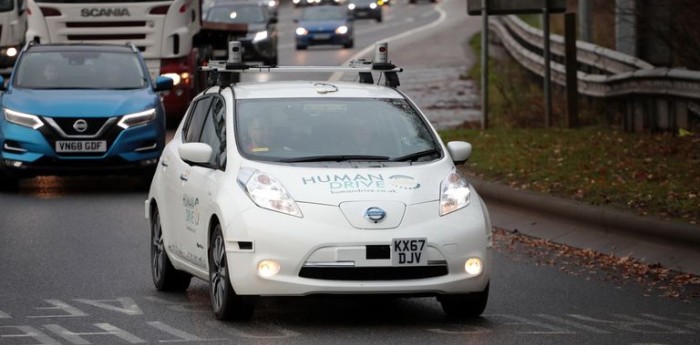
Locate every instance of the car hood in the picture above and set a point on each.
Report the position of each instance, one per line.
(322, 25)
(332, 185)
(78, 103)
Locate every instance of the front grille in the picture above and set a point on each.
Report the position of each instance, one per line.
(98, 37)
(93, 125)
(134, 23)
(373, 273)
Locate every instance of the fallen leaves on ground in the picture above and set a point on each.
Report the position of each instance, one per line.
(589, 264)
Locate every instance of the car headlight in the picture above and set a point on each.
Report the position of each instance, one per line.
(267, 192)
(135, 119)
(301, 31)
(341, 30)
(22, 119)
(351, 7)
(259, 36)
(454, 193)
(372, 5)
(271, 3)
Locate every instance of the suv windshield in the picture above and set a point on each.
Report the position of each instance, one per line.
(319, 13)
(313, 130)
(79, 69)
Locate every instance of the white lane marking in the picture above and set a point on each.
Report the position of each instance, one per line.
(127, 305)
(548, 329)
(634, 324)
(69, 310)
(573, 324)
(76, 338)
(5, 315)
(180, 334)
(443, 15)
(30, 332)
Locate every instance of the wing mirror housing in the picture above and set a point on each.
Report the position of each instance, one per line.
(195, 153)
(460, 151)
(163, 83)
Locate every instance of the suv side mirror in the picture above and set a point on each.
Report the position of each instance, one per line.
(163, 84)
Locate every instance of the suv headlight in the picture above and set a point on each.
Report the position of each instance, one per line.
(259, 36)
(22, 119)
(341, 30)
(301, 31)
(454, 193)
(267, 192)
(136, 119)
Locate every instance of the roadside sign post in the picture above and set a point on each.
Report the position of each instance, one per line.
(485, 8)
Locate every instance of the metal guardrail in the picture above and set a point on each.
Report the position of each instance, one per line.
(601, 72)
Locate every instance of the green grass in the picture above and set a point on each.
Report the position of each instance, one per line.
(649, 174)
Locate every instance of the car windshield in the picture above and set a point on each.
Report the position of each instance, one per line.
(338, 129)
(79, 69)
(320, 13)
(236, 14)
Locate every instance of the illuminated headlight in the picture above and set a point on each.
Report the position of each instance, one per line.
(302, 32)
(136, 119)
(271, 4)
(22, 119)
(473, 266)
(454, 193)
(268, 268)
(351, 7)
(267, 192)
(174, 76)
(259, 36)
(341, 30)
(296, 1)
(373, 5)
(11, 52)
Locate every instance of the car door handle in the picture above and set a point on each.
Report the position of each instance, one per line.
(184, 177)
(164, 163)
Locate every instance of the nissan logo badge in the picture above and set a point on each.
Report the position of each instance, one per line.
(375, 214)
(80, 126)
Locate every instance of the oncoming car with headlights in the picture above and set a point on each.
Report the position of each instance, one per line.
(295, 188)
(80, 108)
(325, 24)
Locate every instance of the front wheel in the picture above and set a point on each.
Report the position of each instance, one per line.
(165, 276)
(226, 303)
(467, 305)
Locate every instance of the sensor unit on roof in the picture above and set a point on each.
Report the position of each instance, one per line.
(234, 66)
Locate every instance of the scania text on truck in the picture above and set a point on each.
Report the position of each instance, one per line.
(13, 25)
(165, 31)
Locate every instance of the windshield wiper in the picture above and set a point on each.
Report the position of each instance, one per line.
(335, 158)
(411, 157)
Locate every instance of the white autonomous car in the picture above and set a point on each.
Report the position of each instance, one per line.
(294, 188)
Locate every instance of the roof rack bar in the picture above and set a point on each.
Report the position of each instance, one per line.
(223, 66)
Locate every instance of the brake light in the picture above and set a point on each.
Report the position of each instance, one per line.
(50, 12)
(160, 10)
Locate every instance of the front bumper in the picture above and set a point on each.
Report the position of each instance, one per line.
(26, 152)
(322, 254)
(322, 38)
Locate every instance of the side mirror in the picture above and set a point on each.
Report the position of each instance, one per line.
(460, 151)
(195, 153)
(163, 84)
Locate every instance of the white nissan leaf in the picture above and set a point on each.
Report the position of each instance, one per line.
(294, 188)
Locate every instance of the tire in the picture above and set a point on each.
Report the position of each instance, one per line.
(349, 44)
(165, 276)
(463, 306)
(301, 47)
(379, 19)
(226, 303)
(273, 61)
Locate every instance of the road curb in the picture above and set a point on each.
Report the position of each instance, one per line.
(609, 219)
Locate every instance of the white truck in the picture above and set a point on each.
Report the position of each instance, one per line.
(13, 25)
(165, 31)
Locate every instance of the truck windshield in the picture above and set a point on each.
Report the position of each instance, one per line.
(79, 69)
(6, 5)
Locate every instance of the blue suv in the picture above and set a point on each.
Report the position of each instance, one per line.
(73, 109)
